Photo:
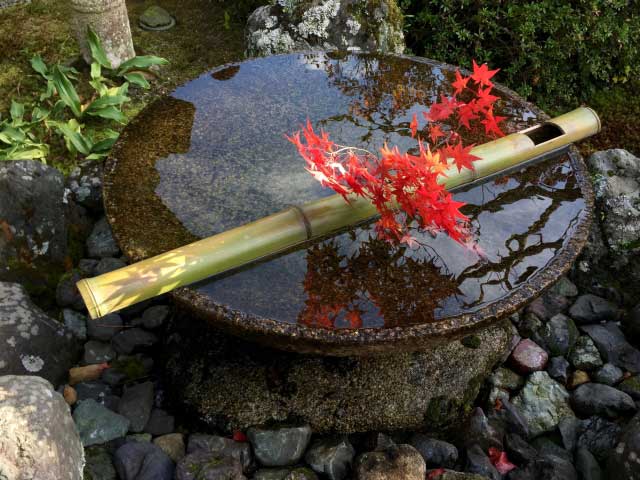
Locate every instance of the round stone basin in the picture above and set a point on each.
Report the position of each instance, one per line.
(213, 155)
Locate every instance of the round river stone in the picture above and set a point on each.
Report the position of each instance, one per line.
(213, 155)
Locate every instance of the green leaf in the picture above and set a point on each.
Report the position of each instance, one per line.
(97, 52)
(110, 113)
(137, 79)
(105, 101)
(66, 91)
(39, 66)
(72, 134)
(106, 144)
(17, 113)
(141, 63)
(38, 114)
(50, 91)
(96, 70)
(11, 135)
(27, 152)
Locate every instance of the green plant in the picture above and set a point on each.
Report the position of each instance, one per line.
(60, 109)
(557, 53)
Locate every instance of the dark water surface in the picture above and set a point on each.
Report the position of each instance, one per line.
(213, 156)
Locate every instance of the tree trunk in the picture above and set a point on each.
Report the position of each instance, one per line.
(109, 19)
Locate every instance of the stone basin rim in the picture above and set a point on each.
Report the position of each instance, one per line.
(379, 341)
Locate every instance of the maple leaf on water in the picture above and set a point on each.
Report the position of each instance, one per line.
(414, 125)
(460, 84)
(500, 461)
(482, 74)
(441, 110)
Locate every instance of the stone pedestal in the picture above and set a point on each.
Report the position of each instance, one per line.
(231, 384)
(110, 21)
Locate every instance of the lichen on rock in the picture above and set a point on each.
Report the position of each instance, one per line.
(290, 25)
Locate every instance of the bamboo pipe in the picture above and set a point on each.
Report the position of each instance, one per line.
(283, 230)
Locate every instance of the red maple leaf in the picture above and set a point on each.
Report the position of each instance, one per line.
(441, 110)
(435, 132)
(462, 156)
(460, 84)
(482, 74)
(433, 474)
(466, 113)
(491, 122)
(500, 461)
(238, 436)
(414, 125)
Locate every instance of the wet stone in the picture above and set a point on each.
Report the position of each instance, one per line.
(225, 447)
(398, 462)
(608, 374)
(132, 339)
(173, 445)
(436, 453)
(529, 325)
(482, 432)
(113, 377)
(160, 423)
(509, 418)
(67, 294)
(613, 346)
(92, 390)
(205, 465)
(143, 461)
(506, 378)
(301, 473)
(85, 182)
(99, 465)
(543, 402)
(277, 447)
(101, 243)
(108, 264)
(548, 305)
(518, 449)
(577, 378)
(559, 335)
(624, 460)
(97, 424)
(136, 404)
(631, 386)
(271, 473)
(547, 447)
(598, 399)
(564, 288)
(478, 462)
(558, 369)
(87, 266)
(154, 317)
(568, 428)
(549, 467)
(587, 465)
(332, 457)
(139, 437)
(592, 309)
(104, 328)
(97, 352)
(529, 357)
(75, 322)
(598, 435)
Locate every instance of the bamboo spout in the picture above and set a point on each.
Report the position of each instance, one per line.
(283, 230)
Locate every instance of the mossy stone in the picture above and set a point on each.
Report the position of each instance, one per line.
(156, 18)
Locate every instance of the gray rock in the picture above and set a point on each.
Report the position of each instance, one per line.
(113, 377)
(85, 182)
(613, 347)
(528, 357)
(104, 328)
(301, 473)
(478, 462)
(108, 264)
(136, 404)
(97, 352)
(277, 447)
(156, 18)
(558, 369)
(173, 445)
(585, 355)
(143, 461)
(506, 379)
(101, 243)
(598, 435)
(87, 266)
(271, 473)
(548, 467)
(154, 317)
(76, 323)
(33, 206)
(38, 439)
(67, 294)
(559, 334)
(518, 450)
(481, 432)
(543, 402)
(592, 309)
(33, 343)
(99, 465)
(331, 456)
(396, 462)
(289, 25)
(138, 437)
(624, 460)
(568, 428)
(587, 465)
(564, 288)
(509, 419)
(222, 447)
(529, 325)
(97, 424)
(132, 339)
(436, 453)
(223, 379)
(608, 374)
(204, 465)
(548, 305)
(598, 399)
(97, 391)
(547, 447)
(160, 423)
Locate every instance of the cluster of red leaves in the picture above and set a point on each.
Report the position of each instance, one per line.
(397, 180)
(500, 461)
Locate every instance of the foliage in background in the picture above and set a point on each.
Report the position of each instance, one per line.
(237, 11)
(60, 109)
(554, 52)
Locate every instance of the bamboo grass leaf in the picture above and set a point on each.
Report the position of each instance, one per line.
(97, 51)
(66, 91)
(39, 66)
(110, 113)
(142, 62)
(17, 113)
(137, 79)
(73, 135)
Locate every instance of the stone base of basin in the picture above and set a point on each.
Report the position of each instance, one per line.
(229, 383)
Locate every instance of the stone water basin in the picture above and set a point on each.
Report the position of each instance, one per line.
(213, 155)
